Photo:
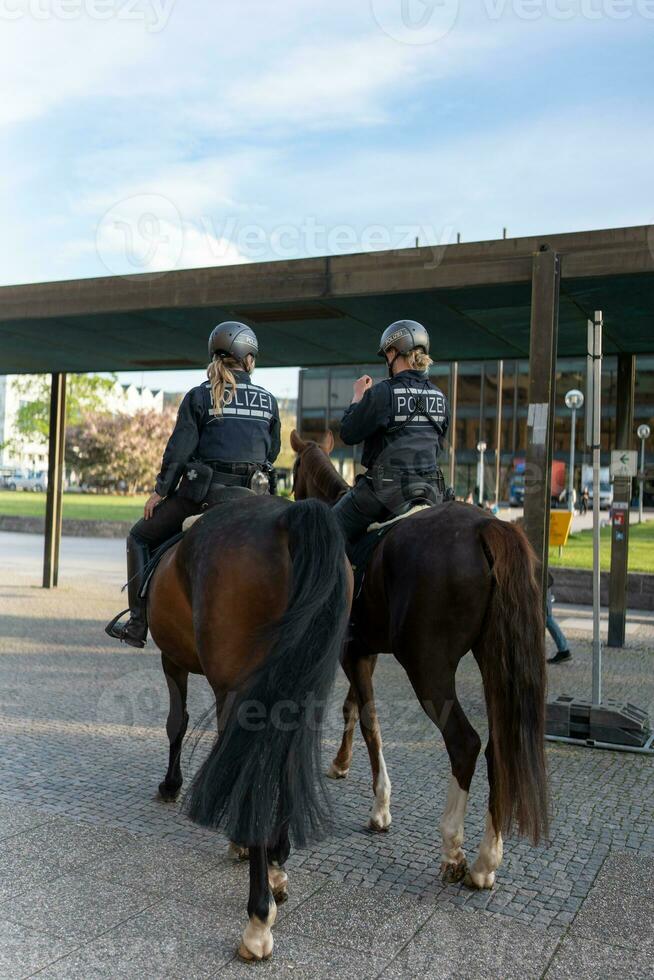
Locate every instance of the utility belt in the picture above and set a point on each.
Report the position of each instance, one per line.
(201, 479)
(394, 487)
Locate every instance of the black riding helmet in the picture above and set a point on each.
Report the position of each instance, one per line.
(404, 336)
(233, 339)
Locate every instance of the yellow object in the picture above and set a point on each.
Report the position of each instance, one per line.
(560, 523)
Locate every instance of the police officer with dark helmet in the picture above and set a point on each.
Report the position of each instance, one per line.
(402, 422)
(227, 434)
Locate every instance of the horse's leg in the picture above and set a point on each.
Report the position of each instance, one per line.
(177, 680)
(278, 853)
(340, 767)
(359, 665)
(491, 849)
(432, 678)
(257, 941)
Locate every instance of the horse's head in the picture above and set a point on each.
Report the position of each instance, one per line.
(303, 484)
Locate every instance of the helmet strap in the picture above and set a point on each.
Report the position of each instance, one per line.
(391, 363)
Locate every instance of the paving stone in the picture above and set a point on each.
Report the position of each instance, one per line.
(155, 866)
(75, 906)
(23, 951)
(18, 819)
(82, 724)
(169, 940)
(226, 890)
(305, 959)
(358, 918)
(586, 959)
(620, 906)
(474, 946)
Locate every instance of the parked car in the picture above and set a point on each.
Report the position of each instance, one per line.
(23, 480)
(605, 495)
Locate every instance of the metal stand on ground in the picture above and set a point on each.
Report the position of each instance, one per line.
(598, 724)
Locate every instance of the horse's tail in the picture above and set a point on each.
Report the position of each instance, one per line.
(513, 670)
(264, 770)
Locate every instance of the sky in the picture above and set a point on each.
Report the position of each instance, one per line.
(148, 135)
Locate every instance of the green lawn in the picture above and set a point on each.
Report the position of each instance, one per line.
(77, 506)
(578, 553)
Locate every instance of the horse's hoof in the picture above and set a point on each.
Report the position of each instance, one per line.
(480, 881)
(248, 957)
(378, 827)
(335, 773)
(281, 895)
(237, 852)
(454, 873)
(168, 794)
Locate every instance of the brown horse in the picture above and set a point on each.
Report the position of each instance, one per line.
(444, 581)
(255, 597)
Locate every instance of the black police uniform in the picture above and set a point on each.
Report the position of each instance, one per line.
(401, 422)
(206, 452)
(247, 432)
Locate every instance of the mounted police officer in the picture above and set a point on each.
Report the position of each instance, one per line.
(402, 422)
(227, 434)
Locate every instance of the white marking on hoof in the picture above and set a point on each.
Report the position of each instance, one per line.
(257, 942)
(335, 773)
(380, 818)
(453, 863)
(278, 883)
(236, 852)
(491, 850)
(478, 881)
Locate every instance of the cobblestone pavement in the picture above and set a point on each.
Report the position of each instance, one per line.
(101, 880)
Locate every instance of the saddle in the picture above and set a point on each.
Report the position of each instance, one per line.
(223, 496)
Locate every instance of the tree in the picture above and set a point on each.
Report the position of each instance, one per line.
(85, 393)
(107, 450)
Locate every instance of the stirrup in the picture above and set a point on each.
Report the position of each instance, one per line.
(120, 632)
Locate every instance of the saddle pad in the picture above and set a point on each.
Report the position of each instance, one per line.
(378, 525)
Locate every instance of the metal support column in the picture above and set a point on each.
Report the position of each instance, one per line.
(546, 275)
(55, 481)
(624, 423)
(498, 431)
(454, 392)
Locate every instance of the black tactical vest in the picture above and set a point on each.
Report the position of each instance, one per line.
(410, 442)
(242, 431)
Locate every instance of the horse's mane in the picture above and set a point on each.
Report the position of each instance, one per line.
(326, 478)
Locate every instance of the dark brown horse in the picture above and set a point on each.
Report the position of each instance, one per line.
(255, 597)
(444, 581)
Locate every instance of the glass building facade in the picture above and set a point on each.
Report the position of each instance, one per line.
(485, 392)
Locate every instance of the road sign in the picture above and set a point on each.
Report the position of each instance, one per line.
(560, 521)
(624, 463)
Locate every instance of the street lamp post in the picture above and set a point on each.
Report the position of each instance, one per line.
(643, 432)
(481, 449)
(574, 400)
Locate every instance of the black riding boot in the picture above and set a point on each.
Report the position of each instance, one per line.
(135, 630)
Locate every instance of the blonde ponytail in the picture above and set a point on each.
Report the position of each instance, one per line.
(418, 360)
(223, 383)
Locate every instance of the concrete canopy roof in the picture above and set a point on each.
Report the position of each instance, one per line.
(474, 298)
